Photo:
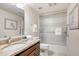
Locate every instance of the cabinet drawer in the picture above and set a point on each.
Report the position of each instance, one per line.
(27, 52)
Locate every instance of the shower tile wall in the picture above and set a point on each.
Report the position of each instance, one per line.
(48, 24)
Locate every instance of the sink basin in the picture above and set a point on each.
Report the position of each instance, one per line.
(13, 47)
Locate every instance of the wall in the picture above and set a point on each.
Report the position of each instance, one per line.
(73, 35)
(6, 14)
(31, 17)
(48, 24)
(73, 43)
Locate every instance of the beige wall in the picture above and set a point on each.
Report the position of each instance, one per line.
(73, 35)
(73, 43)
(5, 14)
(31, 17)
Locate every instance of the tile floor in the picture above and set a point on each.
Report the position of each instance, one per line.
(53, 50)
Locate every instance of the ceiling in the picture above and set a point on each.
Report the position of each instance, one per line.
(41, 8)
(12, 8)
(48, 8)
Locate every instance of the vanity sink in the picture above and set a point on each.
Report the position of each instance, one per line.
(13, 47)
(20, 48)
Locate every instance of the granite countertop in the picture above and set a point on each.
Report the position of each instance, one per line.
(16, 49)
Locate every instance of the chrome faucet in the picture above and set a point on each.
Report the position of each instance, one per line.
(9, 40)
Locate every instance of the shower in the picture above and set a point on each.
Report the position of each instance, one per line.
(53, 32)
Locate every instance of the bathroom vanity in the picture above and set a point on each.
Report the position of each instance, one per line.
(21, 48)
(33, 50)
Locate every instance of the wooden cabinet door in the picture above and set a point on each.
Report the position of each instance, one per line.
(35, 53)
